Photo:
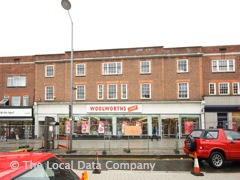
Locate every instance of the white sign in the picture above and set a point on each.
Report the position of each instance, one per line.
(16, 112)
(115, 108)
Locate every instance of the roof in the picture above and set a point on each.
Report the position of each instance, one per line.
(14, 163)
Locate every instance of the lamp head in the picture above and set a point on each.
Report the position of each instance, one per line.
(66, 4)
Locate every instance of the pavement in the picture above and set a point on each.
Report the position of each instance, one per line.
(143, 175)
(107, 147)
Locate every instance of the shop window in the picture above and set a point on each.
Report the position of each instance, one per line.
(222, 120)
(236, 121)
(189, 124)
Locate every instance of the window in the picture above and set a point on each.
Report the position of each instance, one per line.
(223, 88)
(145, 91)
(182, 65)
(14, 81)
(183, 90)
(5, 101)
(236, 88)
(100, 92)
(223, 65)
(145, 67)
(80, 69)
(112, 91)
(80, 93)
(112, 68)
(25, 100)
(49, 93)
(212, 89)
(124, 91)
(49, 71)
(16, 101)
(211, 135)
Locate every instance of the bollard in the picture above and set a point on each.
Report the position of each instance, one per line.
(177, 147)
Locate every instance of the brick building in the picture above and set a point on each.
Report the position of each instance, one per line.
(174, 89)
(17, 94)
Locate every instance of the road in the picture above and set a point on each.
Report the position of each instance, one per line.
(148, 164)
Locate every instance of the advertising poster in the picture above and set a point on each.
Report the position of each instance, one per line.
(124, 123)
(67, 127)
(101, 127)
(85, 127)
(188, 126)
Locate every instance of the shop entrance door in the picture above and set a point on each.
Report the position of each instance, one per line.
(169, 127)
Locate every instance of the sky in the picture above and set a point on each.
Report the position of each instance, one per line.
(34, 27)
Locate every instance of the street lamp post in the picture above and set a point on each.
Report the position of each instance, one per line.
(67, 6)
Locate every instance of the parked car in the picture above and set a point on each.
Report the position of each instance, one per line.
(213, 145)
(33, 165)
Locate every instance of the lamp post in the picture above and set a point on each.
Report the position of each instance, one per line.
(67, 6)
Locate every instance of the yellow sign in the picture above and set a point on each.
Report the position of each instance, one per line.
(132, 131)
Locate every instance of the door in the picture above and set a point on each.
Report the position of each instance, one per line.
(169, 127)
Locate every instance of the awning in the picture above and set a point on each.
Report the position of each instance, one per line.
(222, 108)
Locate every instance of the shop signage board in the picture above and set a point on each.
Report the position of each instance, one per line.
(12, 112)
(125, 108)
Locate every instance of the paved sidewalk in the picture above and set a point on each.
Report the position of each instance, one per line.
(138, 147)
(143, 175)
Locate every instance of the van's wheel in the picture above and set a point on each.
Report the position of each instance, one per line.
(190, 143)
(216, 160)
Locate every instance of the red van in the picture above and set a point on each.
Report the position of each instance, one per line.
(33, 165)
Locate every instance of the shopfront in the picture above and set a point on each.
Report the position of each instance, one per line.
(171, 120)
(12, 118)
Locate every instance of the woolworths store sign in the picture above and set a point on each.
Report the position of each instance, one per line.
(114, 108)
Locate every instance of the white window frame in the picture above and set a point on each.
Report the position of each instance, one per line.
(25, 100)
(142, 94)
(180, 95)
(112, 68)
(47, 97)
(79, 73)
(16, 81)
(214, 86)
(145, 67)
(216, 65)
(116, 93)
(79, 93)
(180, 66)
(49, 72)
(100, 91)
(16, 101)
(237, 84)
(228, 90)
(124, 90)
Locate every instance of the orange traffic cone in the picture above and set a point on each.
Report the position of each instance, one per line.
(196, 169)
(97, 169)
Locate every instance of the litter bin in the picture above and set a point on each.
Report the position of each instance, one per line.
(49, 132)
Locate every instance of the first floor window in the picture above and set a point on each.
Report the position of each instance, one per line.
(223, 88)
(80, 92)
(124, 91)
(25, 100)
(112, 91)
(236, 88)
(183, 90)
(145, 91)
(100, 92)
(49, 93)
(16, 100)
(212, 89)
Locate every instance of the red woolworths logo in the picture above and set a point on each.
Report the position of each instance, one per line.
(133, 108)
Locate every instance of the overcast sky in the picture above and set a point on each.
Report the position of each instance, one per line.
(31, 27)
